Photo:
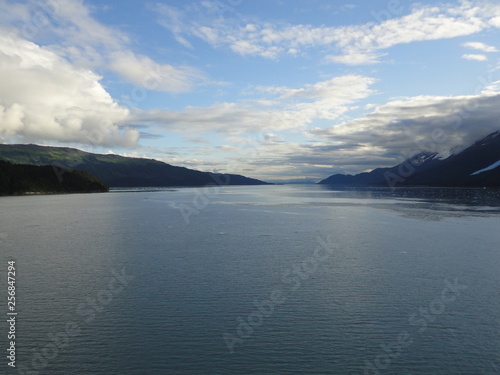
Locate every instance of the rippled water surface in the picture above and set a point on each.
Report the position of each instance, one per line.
(255, 280)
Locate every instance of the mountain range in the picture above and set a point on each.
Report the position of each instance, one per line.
(115, 170)
(476, 166)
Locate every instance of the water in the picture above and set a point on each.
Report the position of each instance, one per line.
(255, 280)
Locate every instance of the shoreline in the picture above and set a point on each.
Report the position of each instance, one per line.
(31, 193)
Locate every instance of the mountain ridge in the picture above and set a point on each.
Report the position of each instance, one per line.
(474, 166)
(116, 170)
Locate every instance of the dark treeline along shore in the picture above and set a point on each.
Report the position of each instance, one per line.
(18, 179)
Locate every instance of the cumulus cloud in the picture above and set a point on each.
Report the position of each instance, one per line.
(82, 40)
(351, 45)
(43, 97)
(51, 91)
(474, 57)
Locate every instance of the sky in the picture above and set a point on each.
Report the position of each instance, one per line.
(280, 90)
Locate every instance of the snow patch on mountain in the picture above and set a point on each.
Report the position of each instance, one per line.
(492, 166)
(423, 157)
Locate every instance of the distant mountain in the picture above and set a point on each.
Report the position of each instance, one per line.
(18, 179)
(477, 165)
(378, 176)
(295, 181)
(118, 171)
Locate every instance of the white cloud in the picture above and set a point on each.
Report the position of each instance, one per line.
(43, 97)
(354, 58)
(289, 108)
(16, 12)
(475, 57)
(327, 99)
(53, 93)
(144, 72)
(79, 38)
(173, 20)
(384, 137)
(76, 25)
(491, 88)
(480, 47)
(430, 123)
(227, 118)
(350, 45)
(261, 142)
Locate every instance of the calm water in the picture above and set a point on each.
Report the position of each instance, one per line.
(255, 280)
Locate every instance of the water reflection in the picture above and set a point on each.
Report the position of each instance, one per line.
(465, 196)
(424, 203)
(427, 203)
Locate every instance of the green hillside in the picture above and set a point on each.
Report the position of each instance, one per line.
(119, 171)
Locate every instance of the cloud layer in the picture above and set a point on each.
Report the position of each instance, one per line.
(67, 77)
(283, 108)
(43, 97)
(350, 45)
(143, 72)
(52, 92)
(425, 123)
(82, 40)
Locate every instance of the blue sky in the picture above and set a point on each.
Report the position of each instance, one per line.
(272, 89)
